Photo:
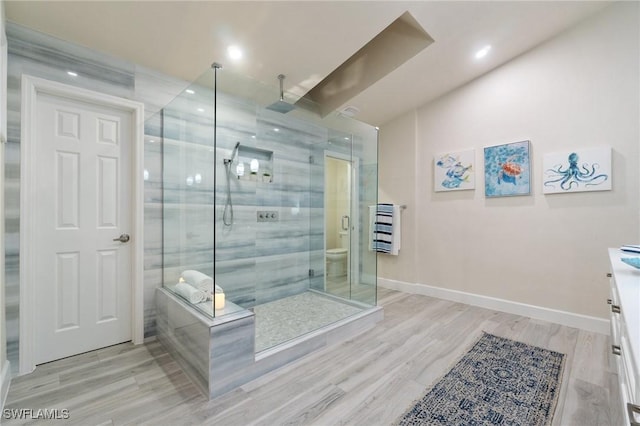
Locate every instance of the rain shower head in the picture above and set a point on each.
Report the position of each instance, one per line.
(281, 106)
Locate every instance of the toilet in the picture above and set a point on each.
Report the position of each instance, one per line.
(337, 258)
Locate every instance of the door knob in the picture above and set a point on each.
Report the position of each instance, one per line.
(124, 238)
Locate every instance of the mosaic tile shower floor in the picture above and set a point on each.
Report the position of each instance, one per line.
(294, 316)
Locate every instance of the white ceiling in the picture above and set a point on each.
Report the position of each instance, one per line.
(306, 40)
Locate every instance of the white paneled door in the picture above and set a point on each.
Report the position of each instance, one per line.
(82, 277)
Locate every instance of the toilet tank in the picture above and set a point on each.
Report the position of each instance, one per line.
(344, 239)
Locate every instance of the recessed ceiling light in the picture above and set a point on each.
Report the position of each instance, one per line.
(234, 52)
(72, 74)
(276, 129)
(346, 138)
(483, 52)
(152, 141)
(200, 109)
(189, 91)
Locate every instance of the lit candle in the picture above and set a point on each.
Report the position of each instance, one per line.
(218, 300)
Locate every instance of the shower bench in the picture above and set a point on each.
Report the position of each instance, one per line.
(218, 354)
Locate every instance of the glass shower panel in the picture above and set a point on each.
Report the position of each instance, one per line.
(247, 191)
(263, 255)
(236, 186)
(188, 193)
(365, 148)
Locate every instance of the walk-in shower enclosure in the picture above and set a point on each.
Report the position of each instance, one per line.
(246, 203)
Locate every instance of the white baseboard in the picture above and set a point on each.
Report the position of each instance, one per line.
(5, 380)
(569, 319)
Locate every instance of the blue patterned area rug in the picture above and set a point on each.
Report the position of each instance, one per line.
(497, 382)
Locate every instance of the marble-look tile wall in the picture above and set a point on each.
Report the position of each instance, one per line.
(46, 57)
(256, 262)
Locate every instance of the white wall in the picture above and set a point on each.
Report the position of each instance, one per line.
(580, 89)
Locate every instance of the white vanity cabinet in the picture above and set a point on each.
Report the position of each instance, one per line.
(625, 331)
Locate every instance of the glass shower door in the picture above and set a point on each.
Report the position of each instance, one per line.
(338, 201)
(350, 188)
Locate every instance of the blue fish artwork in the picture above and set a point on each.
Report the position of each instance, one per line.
(454, 172)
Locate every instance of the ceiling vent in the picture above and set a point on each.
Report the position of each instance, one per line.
(400, 41)
(350, 111)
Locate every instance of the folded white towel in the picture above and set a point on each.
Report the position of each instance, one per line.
(200, 281)
(192, 294)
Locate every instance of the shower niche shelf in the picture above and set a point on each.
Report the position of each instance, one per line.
(254, 164)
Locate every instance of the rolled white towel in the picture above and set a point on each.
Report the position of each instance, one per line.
(192, 294)
(200, 281)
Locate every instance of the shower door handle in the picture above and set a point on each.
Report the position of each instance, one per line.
(345, 227)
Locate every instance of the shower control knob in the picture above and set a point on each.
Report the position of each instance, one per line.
(267, 216)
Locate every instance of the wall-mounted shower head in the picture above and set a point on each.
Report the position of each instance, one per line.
(227, 216)
(233, 154)
(281, 106)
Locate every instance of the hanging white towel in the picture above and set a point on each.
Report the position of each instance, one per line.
(385, 228)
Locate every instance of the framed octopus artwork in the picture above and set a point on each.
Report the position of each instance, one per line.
(578, 170)
(507, 170)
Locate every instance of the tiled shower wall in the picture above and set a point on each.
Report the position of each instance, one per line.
(43, 56)
(279, 254)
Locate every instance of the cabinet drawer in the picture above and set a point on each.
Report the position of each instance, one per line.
(614, 327)
(614, 338)
(613, 293)
(630, 371)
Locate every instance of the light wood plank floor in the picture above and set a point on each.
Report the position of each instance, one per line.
(369, 380)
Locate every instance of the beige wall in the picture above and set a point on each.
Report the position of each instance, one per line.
(580, 89)
(397, 185)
